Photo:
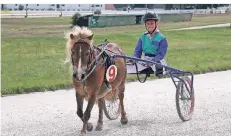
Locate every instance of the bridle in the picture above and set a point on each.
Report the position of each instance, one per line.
(92, 62)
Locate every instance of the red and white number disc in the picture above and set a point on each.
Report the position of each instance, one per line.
(111, 73)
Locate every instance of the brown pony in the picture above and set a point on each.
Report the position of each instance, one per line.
(89, 76)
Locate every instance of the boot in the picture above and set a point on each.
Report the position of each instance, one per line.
(159, 71)
(159, 75)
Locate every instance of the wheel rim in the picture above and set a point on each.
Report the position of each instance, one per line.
(112, 108)
(186, 101)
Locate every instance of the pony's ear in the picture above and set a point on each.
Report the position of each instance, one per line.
(90, 37)
(72, 36)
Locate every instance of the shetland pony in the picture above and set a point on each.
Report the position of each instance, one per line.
(89, 77)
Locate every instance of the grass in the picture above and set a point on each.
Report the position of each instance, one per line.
(4, 12)
(199, 20)
(33, 51)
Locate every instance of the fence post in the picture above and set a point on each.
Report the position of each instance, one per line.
(26, 12)
(61, 14)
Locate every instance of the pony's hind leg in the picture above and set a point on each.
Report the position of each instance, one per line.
(124, 119)
(79, 112)
(87, 114)
(100, 120)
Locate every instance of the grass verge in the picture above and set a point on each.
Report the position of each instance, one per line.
(35, 62)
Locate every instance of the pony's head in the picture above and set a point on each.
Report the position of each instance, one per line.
(79, 50)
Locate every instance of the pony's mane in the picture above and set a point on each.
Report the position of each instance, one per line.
(79, 33)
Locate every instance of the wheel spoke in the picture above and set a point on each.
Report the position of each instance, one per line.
(112, 108)
(184, 101)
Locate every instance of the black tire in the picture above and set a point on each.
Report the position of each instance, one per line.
(112, 109)
(188, 97)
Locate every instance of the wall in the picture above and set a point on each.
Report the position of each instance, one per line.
(111, 20)
(118, 20)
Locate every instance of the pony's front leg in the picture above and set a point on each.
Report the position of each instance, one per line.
(79, 112)
(100, 120)
(87, 114)
(79, 101)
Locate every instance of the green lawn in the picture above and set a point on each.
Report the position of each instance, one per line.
(32, 55)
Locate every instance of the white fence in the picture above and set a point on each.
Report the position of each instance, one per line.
(20, 14)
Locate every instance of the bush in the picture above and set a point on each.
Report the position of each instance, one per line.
(97, 12)
(75, 18)
(21, 7)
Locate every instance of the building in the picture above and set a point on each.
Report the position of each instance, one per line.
(53, 7)
(109, 7)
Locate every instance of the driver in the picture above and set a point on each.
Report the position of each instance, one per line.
(152, 43)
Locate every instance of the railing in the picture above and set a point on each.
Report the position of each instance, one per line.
(70, 13)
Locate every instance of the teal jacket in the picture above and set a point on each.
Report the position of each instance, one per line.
(156, 46)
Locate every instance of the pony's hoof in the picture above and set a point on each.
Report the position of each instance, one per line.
(124, 121)
(83, 133)
(89, 127)
(99, 127)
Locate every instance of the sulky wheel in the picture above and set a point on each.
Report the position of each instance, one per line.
(112, 109)
(185, 99)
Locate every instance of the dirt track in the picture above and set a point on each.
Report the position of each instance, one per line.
(150, 108)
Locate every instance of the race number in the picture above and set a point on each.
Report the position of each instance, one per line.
(111, 73)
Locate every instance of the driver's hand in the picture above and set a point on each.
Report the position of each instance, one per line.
(131, 61)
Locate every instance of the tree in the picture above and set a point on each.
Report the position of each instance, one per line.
(20, 7)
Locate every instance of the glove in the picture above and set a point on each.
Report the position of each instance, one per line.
(131, 61)
(150, 64)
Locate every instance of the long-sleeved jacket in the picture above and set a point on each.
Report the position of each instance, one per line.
(157, 46)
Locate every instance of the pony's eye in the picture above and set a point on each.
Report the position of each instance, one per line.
(87, 53)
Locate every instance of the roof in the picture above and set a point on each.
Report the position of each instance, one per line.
(109, 7)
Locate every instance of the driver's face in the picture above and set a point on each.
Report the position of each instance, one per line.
(150, 24)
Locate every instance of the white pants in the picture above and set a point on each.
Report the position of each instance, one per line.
(132, 68)
(163, 62)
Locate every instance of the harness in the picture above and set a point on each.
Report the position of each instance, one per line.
(106, 57)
